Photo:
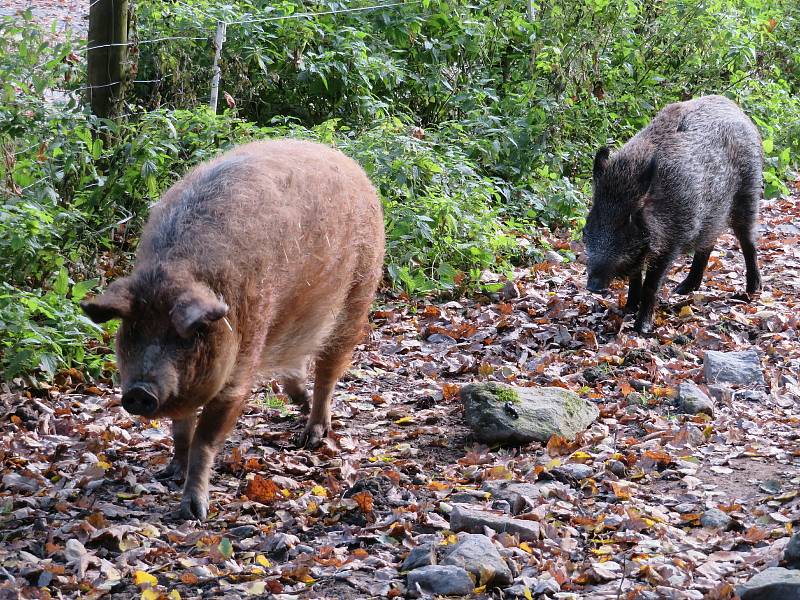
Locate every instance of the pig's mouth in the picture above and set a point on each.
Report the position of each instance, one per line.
(598, 284)
(140, 400)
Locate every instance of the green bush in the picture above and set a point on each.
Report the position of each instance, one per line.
(476, 122)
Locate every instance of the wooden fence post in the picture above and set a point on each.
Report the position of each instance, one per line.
(219, 39)
(106, 55)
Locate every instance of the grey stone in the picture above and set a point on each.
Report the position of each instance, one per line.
(791, 553)
(439, 580)
(517, 590)
(519, 495)
(477, 555)
(509, 291)
(503, 505)
(244, 531)
(547, 586)
(517, 415)
(617, 467)
(577, 470)
(420, 556)
(721, 393)
(468, 497)
(714, 518)
(692, 400)
(736, 368)
(775, 583)
(473, 521)
(751, 395)
(686, 507)
(553, 257)
(788, 229)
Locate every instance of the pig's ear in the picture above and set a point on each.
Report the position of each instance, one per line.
(648, 173)
(114, 303)
(600, 162)
(195, 307)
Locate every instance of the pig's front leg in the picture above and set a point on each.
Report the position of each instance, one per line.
(182, 432)
(215, 423)
(656, 271)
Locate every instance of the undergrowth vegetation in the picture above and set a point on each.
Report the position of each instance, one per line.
(476, 121)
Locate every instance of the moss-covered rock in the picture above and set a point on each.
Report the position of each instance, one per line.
(500, 414)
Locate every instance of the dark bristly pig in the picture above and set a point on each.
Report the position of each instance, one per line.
(256, 262)
(670, 190)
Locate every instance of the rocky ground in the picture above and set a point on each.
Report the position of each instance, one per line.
(669, 469)
(683, 485)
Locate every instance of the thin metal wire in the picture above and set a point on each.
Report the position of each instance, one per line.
(139, 43)
(28, 149)
(327, 12)
(35, 183)
(105, 85)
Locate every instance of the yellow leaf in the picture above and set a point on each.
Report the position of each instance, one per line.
(663, 391)
(174, 595)
(404, 420)
(318, 490)
(528, 595)
(479, 589)
(104, 465)
(581, 455)
(686, 312)
(263, 561)
(526, 547)
(621, 490)
(286, 493)
(450, 539)
(312, 507)
(142, 578)
(149, 594)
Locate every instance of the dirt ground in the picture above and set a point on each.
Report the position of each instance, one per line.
(82, 514)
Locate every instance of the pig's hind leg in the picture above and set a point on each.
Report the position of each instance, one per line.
(695, 276)
(294, 386)
(182, 432)
(744, 215)
(215, 423)
(332, 362)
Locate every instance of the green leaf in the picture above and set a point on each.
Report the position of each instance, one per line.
(80, 289)
(61, 283)
(225, 548)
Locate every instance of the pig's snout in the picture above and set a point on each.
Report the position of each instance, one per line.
(597, 284)
(140, 400)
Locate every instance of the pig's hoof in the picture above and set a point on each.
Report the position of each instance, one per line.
(643, 327)
(686, 287)
(194, 506)
(754, 286)
(631, 308)
(312, 436)
(175, 471)
(302, 401)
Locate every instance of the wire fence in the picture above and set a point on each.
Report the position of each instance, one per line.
(213, 39)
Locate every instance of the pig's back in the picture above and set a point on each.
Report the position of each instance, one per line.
(708, 152)
(286, 209)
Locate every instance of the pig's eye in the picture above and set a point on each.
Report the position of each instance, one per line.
(197, 335)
